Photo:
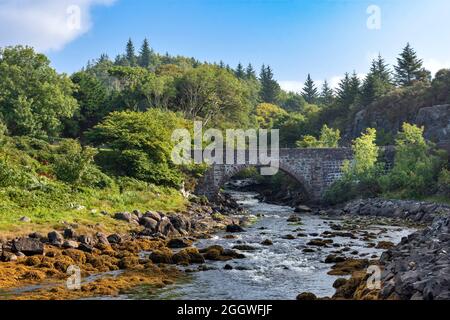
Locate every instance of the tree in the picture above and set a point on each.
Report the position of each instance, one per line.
(377, 83)
(141, 144)
(268, 115)
(270, 89)
(310, 93)
(34, 98)
(409, 68)
(145, 55)
(130, 53)
(329, 138)
(327, 94)
(344, 91)
(213, 94)
(250, 72)
(93, 100)
(365, 153)
(240, 72)
(416, 168)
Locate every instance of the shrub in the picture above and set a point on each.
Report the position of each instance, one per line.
(73, 162)
(416, 168)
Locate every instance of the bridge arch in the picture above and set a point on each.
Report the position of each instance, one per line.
(286, 169)
(314, 169)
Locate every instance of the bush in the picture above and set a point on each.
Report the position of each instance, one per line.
(444, 182)
(72, 163)
(416, 167)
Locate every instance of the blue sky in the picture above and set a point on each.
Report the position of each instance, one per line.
(323, 37)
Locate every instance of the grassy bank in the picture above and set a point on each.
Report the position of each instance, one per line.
(30, 187)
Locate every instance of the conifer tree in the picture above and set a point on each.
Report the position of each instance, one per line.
(145, 54)
(409, 68)
(130, 53)
(327, 94)
(240, 73)
(270, 89)
(310, 93)
(250, 72)
(377, 83)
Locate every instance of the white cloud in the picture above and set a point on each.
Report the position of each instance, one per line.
(297, 86)
(435, 65)
(291, 86)
(45, 24)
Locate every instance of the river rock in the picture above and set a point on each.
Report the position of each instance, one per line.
(178, 243)
(166, 228)
(234, 228)
(306, 296)
(148, 223)
(153, 215)
(267, 242)
(28, 246)
(114, 238)
(294, 219)
(126, 216)
(303, 208)
(70, 233)
(55, 238)
(70, 244)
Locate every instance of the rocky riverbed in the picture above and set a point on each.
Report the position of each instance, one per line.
(215, 252)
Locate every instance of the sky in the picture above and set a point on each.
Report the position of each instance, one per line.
(325, 38)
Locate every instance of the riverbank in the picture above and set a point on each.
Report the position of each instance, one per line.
(36, 266)
(415, 269)
(323, 249)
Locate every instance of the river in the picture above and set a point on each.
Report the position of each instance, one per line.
(277, 272)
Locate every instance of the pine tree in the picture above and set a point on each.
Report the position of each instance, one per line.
(409, 68)
(377, 83)
(310, 93)
(270, 89)
(145, 54)
(130, 53)
(348, 90)
(250, 72)
(327, 94)
(240, 73)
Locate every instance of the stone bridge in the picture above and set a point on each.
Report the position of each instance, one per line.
(314, 169)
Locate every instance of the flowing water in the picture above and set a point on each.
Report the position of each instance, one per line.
(281, 271)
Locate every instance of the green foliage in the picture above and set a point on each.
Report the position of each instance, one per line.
(141, 144)
(360, 177)
(378, 82)
(365, 155)
(409, 68)
(214, 95)
(329, 138)
(34, 98)
(270, 89)
(416, 169)
(310, 93)
(73, 164)
(267, 115)
(444, 182)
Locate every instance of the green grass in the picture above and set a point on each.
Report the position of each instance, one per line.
(28, 187)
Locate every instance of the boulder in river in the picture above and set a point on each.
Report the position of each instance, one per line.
(234, 228)
(303, 208)
(307, 296)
